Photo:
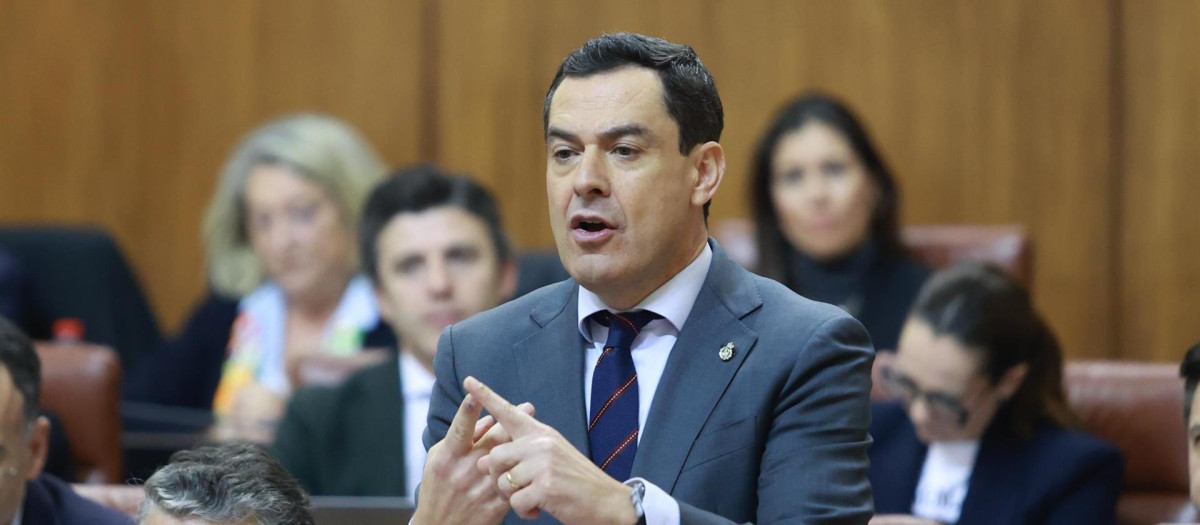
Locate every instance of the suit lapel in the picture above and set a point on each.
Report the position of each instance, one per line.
(907, 457)
(39, 505)
(995, 480)
(550, 367)
(695, 377)
(382, 419)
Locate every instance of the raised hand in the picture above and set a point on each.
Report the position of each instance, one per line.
(452, 488)
(540, 471)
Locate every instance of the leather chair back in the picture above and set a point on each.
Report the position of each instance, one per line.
(81, 383)
(1139, 408)
(938, 246)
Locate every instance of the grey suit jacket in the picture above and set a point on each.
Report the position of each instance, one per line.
(777, 434)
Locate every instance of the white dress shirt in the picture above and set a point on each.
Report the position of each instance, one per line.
(417, 385)
(945, 477)
(650, 350)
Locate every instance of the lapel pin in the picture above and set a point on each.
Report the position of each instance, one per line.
(726, 352)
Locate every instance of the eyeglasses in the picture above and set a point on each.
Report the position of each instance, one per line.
(941, 406)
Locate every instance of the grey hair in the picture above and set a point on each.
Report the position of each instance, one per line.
(227, 483)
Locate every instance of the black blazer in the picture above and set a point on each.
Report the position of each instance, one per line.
(1056, 477)
(187, 370)
(49, 501)
(889, 287)
(347, 440)
(889, 291)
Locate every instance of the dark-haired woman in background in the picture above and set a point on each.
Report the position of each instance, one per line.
(825, 212)
(983, 432)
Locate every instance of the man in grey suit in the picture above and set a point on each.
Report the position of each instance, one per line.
(669, 384)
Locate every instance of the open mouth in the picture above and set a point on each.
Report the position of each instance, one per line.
(590, 224)
(591, 229)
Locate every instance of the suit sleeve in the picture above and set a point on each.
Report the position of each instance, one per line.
(814, 467)
(296, 442)
(447, 391)
(1093, 499)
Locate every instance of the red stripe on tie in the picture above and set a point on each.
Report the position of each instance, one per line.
(630, 323)
(610, 401)
(628, 439)
(607, 350)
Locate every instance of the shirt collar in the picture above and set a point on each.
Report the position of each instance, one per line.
(415, 381)
(673, 300)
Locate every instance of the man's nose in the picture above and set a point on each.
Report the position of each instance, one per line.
(591, 178)
(439, 281)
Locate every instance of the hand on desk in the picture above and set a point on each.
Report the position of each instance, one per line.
(539, 470)
(453, 490)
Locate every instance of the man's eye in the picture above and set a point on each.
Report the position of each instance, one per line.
(562, 154)
(407, 266)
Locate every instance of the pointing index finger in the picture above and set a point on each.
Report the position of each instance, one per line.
(515, 421)
(462, 429)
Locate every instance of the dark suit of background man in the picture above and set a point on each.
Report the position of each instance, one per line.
(752, 402)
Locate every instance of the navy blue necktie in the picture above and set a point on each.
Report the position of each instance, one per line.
(613, 423)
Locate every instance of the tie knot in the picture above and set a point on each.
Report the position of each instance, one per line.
(624, 327)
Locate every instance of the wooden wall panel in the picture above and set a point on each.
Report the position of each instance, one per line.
(121, 113)
(1160, 185)
(1074, 118)
(989, 112)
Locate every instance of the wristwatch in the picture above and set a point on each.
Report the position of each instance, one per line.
(639, 492)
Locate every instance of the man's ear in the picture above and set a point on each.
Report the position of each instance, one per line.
(710, 171)
(508, 279)
(385, 306)
(38, 443)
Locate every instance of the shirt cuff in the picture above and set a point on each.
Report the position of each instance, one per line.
(658, 507)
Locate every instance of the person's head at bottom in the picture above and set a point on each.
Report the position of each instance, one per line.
(975, 352)
(227, 484)
(23, 433)
(1190, 370)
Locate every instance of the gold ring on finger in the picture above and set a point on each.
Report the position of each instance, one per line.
(511, 483)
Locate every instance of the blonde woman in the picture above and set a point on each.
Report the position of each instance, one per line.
(280, 251)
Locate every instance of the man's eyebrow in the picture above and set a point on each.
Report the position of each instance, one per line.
(625, 130)
(559, 133)
(609, 134)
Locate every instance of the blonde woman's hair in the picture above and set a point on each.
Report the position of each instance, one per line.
(324, 150)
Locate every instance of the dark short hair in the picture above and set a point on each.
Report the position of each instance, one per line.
(689, 91)
(1189, 369)
(981, 308)
(227, 483)
(773, 247)
(24, 366)
(419, 188)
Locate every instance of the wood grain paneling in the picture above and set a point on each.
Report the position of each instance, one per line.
(121, 113)
(1160, 183)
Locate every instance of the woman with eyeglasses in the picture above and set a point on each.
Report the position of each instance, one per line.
(982, 432)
